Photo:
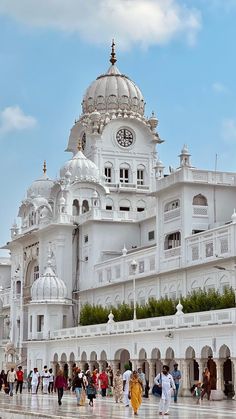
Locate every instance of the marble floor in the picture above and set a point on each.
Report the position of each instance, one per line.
(46, 406)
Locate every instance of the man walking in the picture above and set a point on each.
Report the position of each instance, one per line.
(166, 382)
(126, 378)
(176, 374)
(20, 379)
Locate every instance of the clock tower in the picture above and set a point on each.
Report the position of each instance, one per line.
(117, 136)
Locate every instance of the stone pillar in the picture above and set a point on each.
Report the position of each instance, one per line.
(185, 390)
(201, 364)
(134, 364)
(233, 360)
(218, 394)
(70, 369)
(152, 373)
(114, 365)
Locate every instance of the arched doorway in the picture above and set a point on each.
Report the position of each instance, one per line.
(142, 362)
(228, 385)
(193, 366)
(123, 356)
(170, 358)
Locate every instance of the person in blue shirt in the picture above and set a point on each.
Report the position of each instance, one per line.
(176, 374)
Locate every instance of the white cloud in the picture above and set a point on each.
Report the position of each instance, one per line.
(146, 22)
(219, 87)
(13, 118)
(229, 130)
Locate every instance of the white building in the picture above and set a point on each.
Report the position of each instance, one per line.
(112, 204)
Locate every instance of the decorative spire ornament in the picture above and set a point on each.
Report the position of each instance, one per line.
(113, 54)
(44, 167)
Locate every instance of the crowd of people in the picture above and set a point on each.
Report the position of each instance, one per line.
(128, 387)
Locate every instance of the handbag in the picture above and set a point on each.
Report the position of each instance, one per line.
(157, 389)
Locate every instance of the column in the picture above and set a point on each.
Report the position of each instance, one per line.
(114, 365)
(185, 390)
(152, 374)
(218, 394)
(233, 360)
(134, 364)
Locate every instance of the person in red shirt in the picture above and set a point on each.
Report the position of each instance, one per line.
(20, 379)
(103, 378)
(60, 384)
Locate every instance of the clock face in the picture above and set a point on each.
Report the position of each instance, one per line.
(124, 137)
(83, 141)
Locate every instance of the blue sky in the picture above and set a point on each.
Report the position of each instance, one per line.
(180, 53)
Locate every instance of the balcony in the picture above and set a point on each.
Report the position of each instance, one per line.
(152, 324)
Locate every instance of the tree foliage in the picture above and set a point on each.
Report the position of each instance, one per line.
(200, 300)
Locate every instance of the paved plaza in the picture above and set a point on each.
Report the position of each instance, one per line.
(45, 406)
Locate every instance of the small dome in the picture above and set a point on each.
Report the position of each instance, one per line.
(40, 187)
(81, 169)
(113, 91)
(48, 287)
(185, 150)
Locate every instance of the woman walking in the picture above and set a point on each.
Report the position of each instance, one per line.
(78, 385)
(60, 384)
(135, 391)
(118, 387)
(91, 388)
(206, 383)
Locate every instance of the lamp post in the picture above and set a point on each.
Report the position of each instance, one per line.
(134, 268)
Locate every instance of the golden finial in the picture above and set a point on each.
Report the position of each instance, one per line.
(44, 167)
(113, 54)
(79, 146)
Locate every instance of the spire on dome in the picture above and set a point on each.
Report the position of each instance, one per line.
(44, 167)
(49, 258)
(113, 53)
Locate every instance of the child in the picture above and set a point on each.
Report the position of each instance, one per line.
(197, 392)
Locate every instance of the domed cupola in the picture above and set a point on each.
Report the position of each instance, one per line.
(41, 187)
(80, 168)
(113, 91)
(48, 287)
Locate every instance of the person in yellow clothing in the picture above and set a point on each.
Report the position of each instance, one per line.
(135, 391)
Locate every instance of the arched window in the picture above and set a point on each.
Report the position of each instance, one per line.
(124, 205)
(124, 173)
(140, 175)
(108, 172)
(85, 206)
(18, 287)
(109, 204)
(141, 206)
(75, 207)
(200, 200)
(172, 240)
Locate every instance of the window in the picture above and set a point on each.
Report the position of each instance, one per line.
(124, 208)
(36, 272)
(172, 205)
(172, 240)
(124, 175)
(140, 177)
(85, 206)
(108, 174)
(75, 207)
(151, 235)
(40, 323)
(86, 238)
(18, 287)
(108, 207)
(64, 321)
(31, 324)
(200, 200)
(139, 209)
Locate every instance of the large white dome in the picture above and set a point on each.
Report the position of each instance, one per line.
(80, 168)
(41, 187)
(113, 91)
(48, 287)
